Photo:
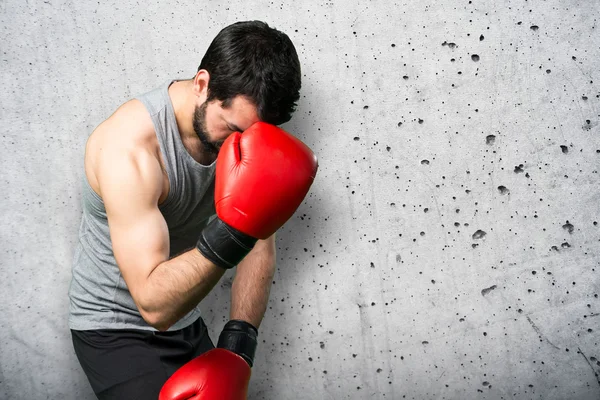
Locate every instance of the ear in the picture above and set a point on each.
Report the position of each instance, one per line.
(201, 85)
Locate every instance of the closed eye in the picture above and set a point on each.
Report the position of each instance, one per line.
(234, 128)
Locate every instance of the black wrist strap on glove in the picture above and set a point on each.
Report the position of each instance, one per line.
(239, 337)
(223, 245)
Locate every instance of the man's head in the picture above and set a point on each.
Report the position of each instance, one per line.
(252, 73)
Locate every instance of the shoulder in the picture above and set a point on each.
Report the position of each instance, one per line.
(129, 132)
(131, 121)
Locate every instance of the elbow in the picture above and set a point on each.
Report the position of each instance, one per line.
(161, 327)
(153, 316)
(156, 320)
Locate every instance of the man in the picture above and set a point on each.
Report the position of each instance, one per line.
(150, 248)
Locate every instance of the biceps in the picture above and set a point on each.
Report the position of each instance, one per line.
(138, 231)
(139, 246)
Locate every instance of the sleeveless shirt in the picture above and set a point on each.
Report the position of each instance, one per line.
(99, 298)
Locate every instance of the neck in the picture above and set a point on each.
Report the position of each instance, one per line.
(184, 100)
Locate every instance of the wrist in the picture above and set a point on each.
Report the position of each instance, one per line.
(224, 245)
(239, 337)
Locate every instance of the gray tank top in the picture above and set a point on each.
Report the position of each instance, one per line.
(99, 298)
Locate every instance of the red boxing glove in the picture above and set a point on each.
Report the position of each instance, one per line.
(262, 176)
(218, 374)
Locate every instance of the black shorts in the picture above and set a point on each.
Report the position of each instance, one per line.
(134, 364)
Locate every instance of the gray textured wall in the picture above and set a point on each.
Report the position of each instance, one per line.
(449, 248)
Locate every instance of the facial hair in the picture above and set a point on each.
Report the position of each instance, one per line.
(199, 123)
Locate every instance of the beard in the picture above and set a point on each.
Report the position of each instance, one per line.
(199, 123)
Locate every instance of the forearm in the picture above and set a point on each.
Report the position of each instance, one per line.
(176, 286)
(251, 287)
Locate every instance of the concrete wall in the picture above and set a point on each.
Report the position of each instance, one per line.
(449, 248)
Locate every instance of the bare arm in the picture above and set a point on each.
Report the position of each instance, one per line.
(130, 181)
(252, 283)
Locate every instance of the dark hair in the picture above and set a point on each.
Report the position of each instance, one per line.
(251, 59)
